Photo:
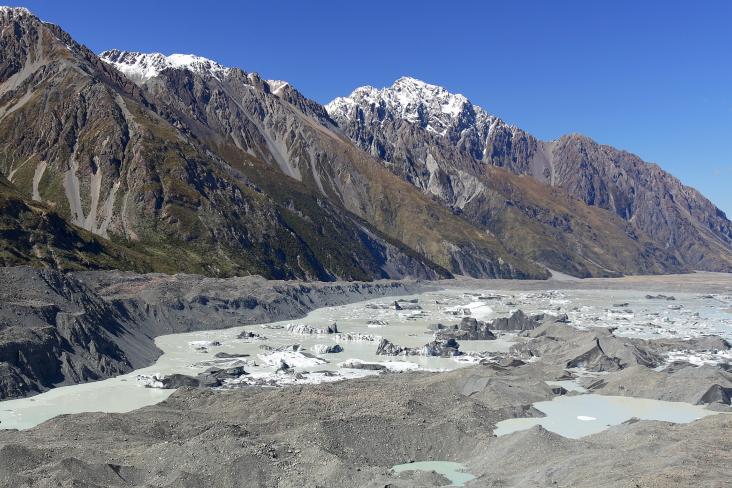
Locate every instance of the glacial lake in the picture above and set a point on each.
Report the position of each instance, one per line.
(629, 310)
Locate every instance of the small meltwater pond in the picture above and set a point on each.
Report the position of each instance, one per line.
(581, 415)
(455, 472)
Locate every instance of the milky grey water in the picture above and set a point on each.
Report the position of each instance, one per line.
(630, 311)
(455, 472)
(582, 415)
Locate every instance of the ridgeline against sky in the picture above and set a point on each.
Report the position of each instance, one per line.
(649, 78)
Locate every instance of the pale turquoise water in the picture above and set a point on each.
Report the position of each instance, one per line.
(581, 415)
(455, 472)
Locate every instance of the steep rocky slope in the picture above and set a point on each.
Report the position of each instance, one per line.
(55, 331)
(32, 233)
(252, 123)
(448, 147)
(140, 167)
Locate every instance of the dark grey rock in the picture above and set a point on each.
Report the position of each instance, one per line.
(518, 321)
(469, 329)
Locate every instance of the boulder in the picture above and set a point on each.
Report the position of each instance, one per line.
(174, 381)
(365, 366)
(519, 321)
(226, 355)
(327, 348)
(716, 394)
(469, 329)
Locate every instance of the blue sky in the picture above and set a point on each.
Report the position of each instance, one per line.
(651, 77)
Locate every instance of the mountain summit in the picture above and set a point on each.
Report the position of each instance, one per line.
(140, 67)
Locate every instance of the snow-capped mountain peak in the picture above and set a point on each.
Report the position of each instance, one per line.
(277, 86)
(140, 67)
(413, 100)
(14, 13)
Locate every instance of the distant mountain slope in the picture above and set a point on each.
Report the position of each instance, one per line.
(451, 149)
(253, 123)
(140, 165)
(31, 233)
(417, 128)
(78, 135)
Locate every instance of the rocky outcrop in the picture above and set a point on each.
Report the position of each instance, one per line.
(469, 329)
(518, 321)
(439, 348)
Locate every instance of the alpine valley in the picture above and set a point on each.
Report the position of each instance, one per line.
(209, 280)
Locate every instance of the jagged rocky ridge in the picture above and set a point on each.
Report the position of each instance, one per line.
(466, 157)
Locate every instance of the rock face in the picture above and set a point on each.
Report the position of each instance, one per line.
(55, 331)
(448, 147)
(60, 329)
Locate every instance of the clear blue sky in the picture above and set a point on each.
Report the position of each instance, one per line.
(652, 77)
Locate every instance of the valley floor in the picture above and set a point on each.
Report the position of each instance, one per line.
(656, 338)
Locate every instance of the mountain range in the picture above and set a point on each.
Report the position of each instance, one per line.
(178, 164)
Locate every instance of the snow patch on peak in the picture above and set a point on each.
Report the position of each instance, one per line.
(141, 67)
(276, 86)
(9, 13)
(410, 99)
